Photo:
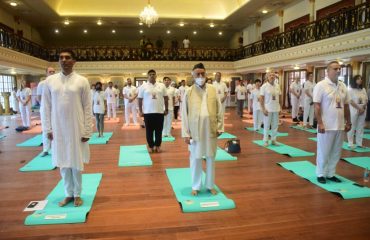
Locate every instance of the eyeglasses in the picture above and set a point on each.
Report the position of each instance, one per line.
(200, 74)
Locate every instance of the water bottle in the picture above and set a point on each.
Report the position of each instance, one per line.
(366, 175)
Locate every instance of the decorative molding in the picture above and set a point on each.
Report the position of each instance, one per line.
(344, 46)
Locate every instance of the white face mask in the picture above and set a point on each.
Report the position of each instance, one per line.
(200, 81)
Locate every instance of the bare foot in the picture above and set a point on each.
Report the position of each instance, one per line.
(275, 143)
(194, 192)
(213, 191)
(78, 201)
(65, 201)
(265, 144)
(151, 150)
(158, 149)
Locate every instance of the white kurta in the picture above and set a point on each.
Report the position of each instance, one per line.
(67, 114)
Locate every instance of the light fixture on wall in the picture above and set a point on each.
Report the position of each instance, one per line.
(296, 67)
(66, 22)
(13, 4)
(149, 15)
(99, 22)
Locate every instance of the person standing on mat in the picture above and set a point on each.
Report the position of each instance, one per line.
(331, 101)
(167, 125)
(153, 105)
(40, 87)
(221, 89)
(99, 108)
(270, 105)
(67, 120)
(295, 90)
(308, 108)
(24, 100)
(201, 125)
(256, 106)
(129, 94)
(111, 95)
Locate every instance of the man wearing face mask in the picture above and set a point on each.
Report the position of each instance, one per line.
(201, 125)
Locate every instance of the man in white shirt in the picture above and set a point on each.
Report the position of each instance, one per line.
(270, 105)
(308, 108)
(182, 90)
(250, 88)
(256, 107)
(117, 95)
(14, 101)
(153, 105)
(241, 93)
(171, 101)
(46, 144)
(111, 95)
(67, 117)
(295, 90)
(221, 90)
(331, 101)
(186, 42)
(129, 94)
(24, 100)
(201, 125)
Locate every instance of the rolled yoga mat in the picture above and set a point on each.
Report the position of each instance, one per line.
(279, 134)
(180, 180)
(345, 147)
(285, 149)
(53, 214)
(304, 129)
(226, 135)
(35, 141)
(347, 189)
(363, 162)
(135, 155)
(100, 140)
(39, 164)
(222, 155)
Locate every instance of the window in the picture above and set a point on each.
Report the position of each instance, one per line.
(7, 83)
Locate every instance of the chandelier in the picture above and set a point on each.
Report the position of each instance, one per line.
(149, 15)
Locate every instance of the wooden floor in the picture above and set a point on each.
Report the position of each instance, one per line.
(138, 202)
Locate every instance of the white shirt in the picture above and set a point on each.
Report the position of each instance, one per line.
(177, 95)
(221, 89)
(296, 88)
(241, 91)
(255, 95)
(186, 43)
(110, 95)
(308, 86)
(98, 102)
(250, 87)
(327, 94)
(271, 95)
(152, 95)
(130, 92)
(23, 94)
(40, 88)
(171, 95)
(357, 96)
(182, 90)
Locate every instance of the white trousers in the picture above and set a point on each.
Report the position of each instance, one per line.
(223, 109)
(257, 119)
(25, 114)
(295, 106)
(272, 119)
(358, 125)
(249, 103)
(167, 124)
(111, 108)
(46, 143)
(72, 181)
(196, 172)
(130, 107)
(329, 149)
(308, 113)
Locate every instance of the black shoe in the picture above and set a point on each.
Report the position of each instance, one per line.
(44, 154)
(321, 180)
(142, 126)
(334, 179)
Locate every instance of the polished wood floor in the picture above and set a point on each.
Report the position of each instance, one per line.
(138, 202)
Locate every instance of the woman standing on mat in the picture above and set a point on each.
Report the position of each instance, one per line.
(99, 108)
(358, 101)
(24, 99)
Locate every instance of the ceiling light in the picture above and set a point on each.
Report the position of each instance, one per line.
(99, 22)
(268, 70)
(141, 31)
(113, 31)
(181, 24)
(143, 74)
(296, 67)
(264, 11)
(12, 71)
(195, 32)
(212, 25)
(56, 30)
(85, 30)
(149, 15)
(66, 22)
(13, 4)
(140, 23)
(220, 33)
(168, 31)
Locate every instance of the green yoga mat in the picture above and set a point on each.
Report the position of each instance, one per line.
(226, 135)
(2, 136)
(167, 139)
(135, 155)
(180, 180)
(345, 147)
(279, 134)
(346, 189)
(53, 214)
(222, 155)
(363, 162)
(304, 129)
(286, 150)
(100, 140)
(366, 136)
(39, 164)
(366, 130)
(35, 141)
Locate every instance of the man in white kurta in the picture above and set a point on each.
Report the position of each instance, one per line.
(182, 90)
(24, 99)
(331, 101)
(295, 90)
(256, 107)
(130, 94)
(201, 125)
(221, 90)
(111, 95)
(308, 109)
(270, 105)
(167, 124)
(14, 101)
(67, 120)
(249, 88)
(46, 144)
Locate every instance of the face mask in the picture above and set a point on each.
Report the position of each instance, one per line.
(98, 88)
(200, 81)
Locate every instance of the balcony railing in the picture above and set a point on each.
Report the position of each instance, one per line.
(350, 20)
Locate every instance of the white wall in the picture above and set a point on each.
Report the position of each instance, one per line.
(324, 3)
(249, 34)
(297, 10)
(270, 23)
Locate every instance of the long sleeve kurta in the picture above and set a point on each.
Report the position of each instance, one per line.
(67, 114)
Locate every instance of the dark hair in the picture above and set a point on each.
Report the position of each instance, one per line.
(164, 79)
(67, 50)
(332, 63)
(308, 74)
(98, 88)
(151, 71)
(199, 65)
(353, 83)
(257, 80)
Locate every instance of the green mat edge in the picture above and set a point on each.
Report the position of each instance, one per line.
(147, 163)
(309, 154)
(22, 169)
